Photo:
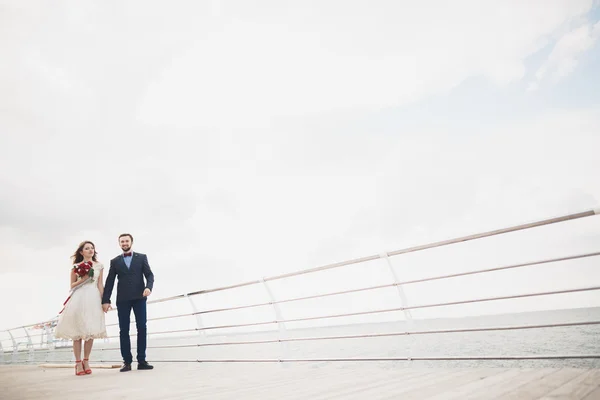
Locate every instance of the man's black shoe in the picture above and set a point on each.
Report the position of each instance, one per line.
(126, 367)
(144, 365)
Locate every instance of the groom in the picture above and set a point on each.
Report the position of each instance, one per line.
(131, 294)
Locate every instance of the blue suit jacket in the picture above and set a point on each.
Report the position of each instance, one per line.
(130, 284)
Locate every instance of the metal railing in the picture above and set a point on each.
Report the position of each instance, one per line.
(46, 343)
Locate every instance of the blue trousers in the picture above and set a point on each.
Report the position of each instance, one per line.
(124, 311)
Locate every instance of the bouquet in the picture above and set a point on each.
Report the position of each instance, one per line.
(83, 269)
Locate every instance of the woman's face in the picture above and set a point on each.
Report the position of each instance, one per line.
(88, 250)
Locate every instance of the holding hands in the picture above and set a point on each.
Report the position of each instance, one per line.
(106, 306)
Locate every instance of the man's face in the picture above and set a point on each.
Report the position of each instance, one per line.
(125, 243)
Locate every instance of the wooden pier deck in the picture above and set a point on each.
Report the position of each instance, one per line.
(170, 381)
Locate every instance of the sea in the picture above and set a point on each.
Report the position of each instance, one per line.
(176, 347)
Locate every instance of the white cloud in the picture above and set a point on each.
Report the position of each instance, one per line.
(565, 55)
(252, 66)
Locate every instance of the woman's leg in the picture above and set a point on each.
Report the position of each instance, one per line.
(87, 350)
(77, 354)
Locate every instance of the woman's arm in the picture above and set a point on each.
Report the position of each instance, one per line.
(75, 282)
(100, 284)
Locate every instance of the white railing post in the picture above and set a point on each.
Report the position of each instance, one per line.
(199, 323)
(29, 346)
(284, 345)
(51, 341)
(47, 347)
(1, 352)
(14, 343)
(403, 300)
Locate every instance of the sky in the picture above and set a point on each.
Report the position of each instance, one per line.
(237, 140)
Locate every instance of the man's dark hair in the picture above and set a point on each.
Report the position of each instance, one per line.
(126, 234)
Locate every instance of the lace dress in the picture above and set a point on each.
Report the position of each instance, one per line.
(82, 316)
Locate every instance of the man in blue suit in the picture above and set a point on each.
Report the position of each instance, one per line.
(130, 268)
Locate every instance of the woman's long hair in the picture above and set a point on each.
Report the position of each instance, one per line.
(77, 257)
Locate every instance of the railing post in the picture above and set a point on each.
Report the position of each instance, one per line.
(284, 345)
(30, 356)
(46, 333)
(50, 340)
(14, 343)
(403, 300)
(199, 323)
(2, 352)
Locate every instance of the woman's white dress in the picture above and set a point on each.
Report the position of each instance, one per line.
(82, 316)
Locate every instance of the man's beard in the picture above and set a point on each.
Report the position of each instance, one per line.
(126, 249)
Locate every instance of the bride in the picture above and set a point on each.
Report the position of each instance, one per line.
(82, 318)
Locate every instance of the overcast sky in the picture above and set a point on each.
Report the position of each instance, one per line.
(239, 139)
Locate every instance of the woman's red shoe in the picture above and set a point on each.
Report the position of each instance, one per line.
(79, 372)
(86, 370)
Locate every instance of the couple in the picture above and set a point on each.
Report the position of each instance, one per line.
(82, 317)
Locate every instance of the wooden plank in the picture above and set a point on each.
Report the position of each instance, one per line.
(593, 395)
(287, 383)
(577, 388)
(329, 386)
(266, 383)
(446, 383)
(540, 387)
(499, 389)
(363, 389)
(460, 392)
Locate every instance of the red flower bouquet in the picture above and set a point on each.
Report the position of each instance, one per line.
(83, 269)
